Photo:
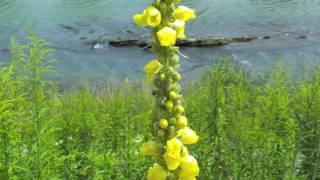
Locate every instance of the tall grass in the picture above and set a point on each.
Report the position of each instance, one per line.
(251, 127)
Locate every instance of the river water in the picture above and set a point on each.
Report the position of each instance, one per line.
(68, 25)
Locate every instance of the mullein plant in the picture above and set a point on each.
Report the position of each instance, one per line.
(170, 128)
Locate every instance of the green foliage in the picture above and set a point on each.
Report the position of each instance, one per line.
(251, 127)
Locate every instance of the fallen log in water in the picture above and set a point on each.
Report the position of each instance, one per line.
(192, 42)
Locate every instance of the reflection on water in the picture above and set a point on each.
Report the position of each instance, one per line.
(70, 26)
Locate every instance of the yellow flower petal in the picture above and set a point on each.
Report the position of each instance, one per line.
(189, 167)
(150, 148)
(179, 26)
(184, 13)
(185, 152)
(187, 178)
(157, 173)
(139, 19)
(188, 136)
(172, 154)
(152, 68)
(167, 36)
(152, 16)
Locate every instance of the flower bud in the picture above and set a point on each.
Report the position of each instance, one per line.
(163, 123)
(169, 105)
(173, 95)
(172, 121)
(180, 109)
(174, 59)
(182, 122)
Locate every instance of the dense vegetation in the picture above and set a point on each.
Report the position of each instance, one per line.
(251, 127)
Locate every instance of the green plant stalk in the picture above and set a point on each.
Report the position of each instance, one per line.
(165, 81)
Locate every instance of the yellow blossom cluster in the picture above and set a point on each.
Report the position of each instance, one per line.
(172, 134)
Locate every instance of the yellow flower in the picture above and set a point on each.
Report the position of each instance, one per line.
(169, 105)
(167, 36)
(179, 26)
(188, 136)
(140, 20)
(182, 122)
(172, 154)
(150, 148)
(157, 173)
(189, 167)
(173, 95)
(187, 177)
(152, 16)
(184, 13)
(163, 123)
(152, 68)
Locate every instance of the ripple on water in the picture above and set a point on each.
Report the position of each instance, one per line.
(69, 24)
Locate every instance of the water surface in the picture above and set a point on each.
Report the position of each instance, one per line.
(69, 25)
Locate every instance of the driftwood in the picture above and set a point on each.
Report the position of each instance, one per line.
(192, 42)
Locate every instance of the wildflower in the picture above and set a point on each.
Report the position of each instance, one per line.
(188, 136)
(163, 123)
(157, 173)
(179, 26)
(173, 95)
(184, 13)
(150, 148)
(189, 167)
(152, 16)
(152, 68)
(180, 109)
(182, 122)
(172, 154)
(169, 105)
(167, 36)
(140, 20)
